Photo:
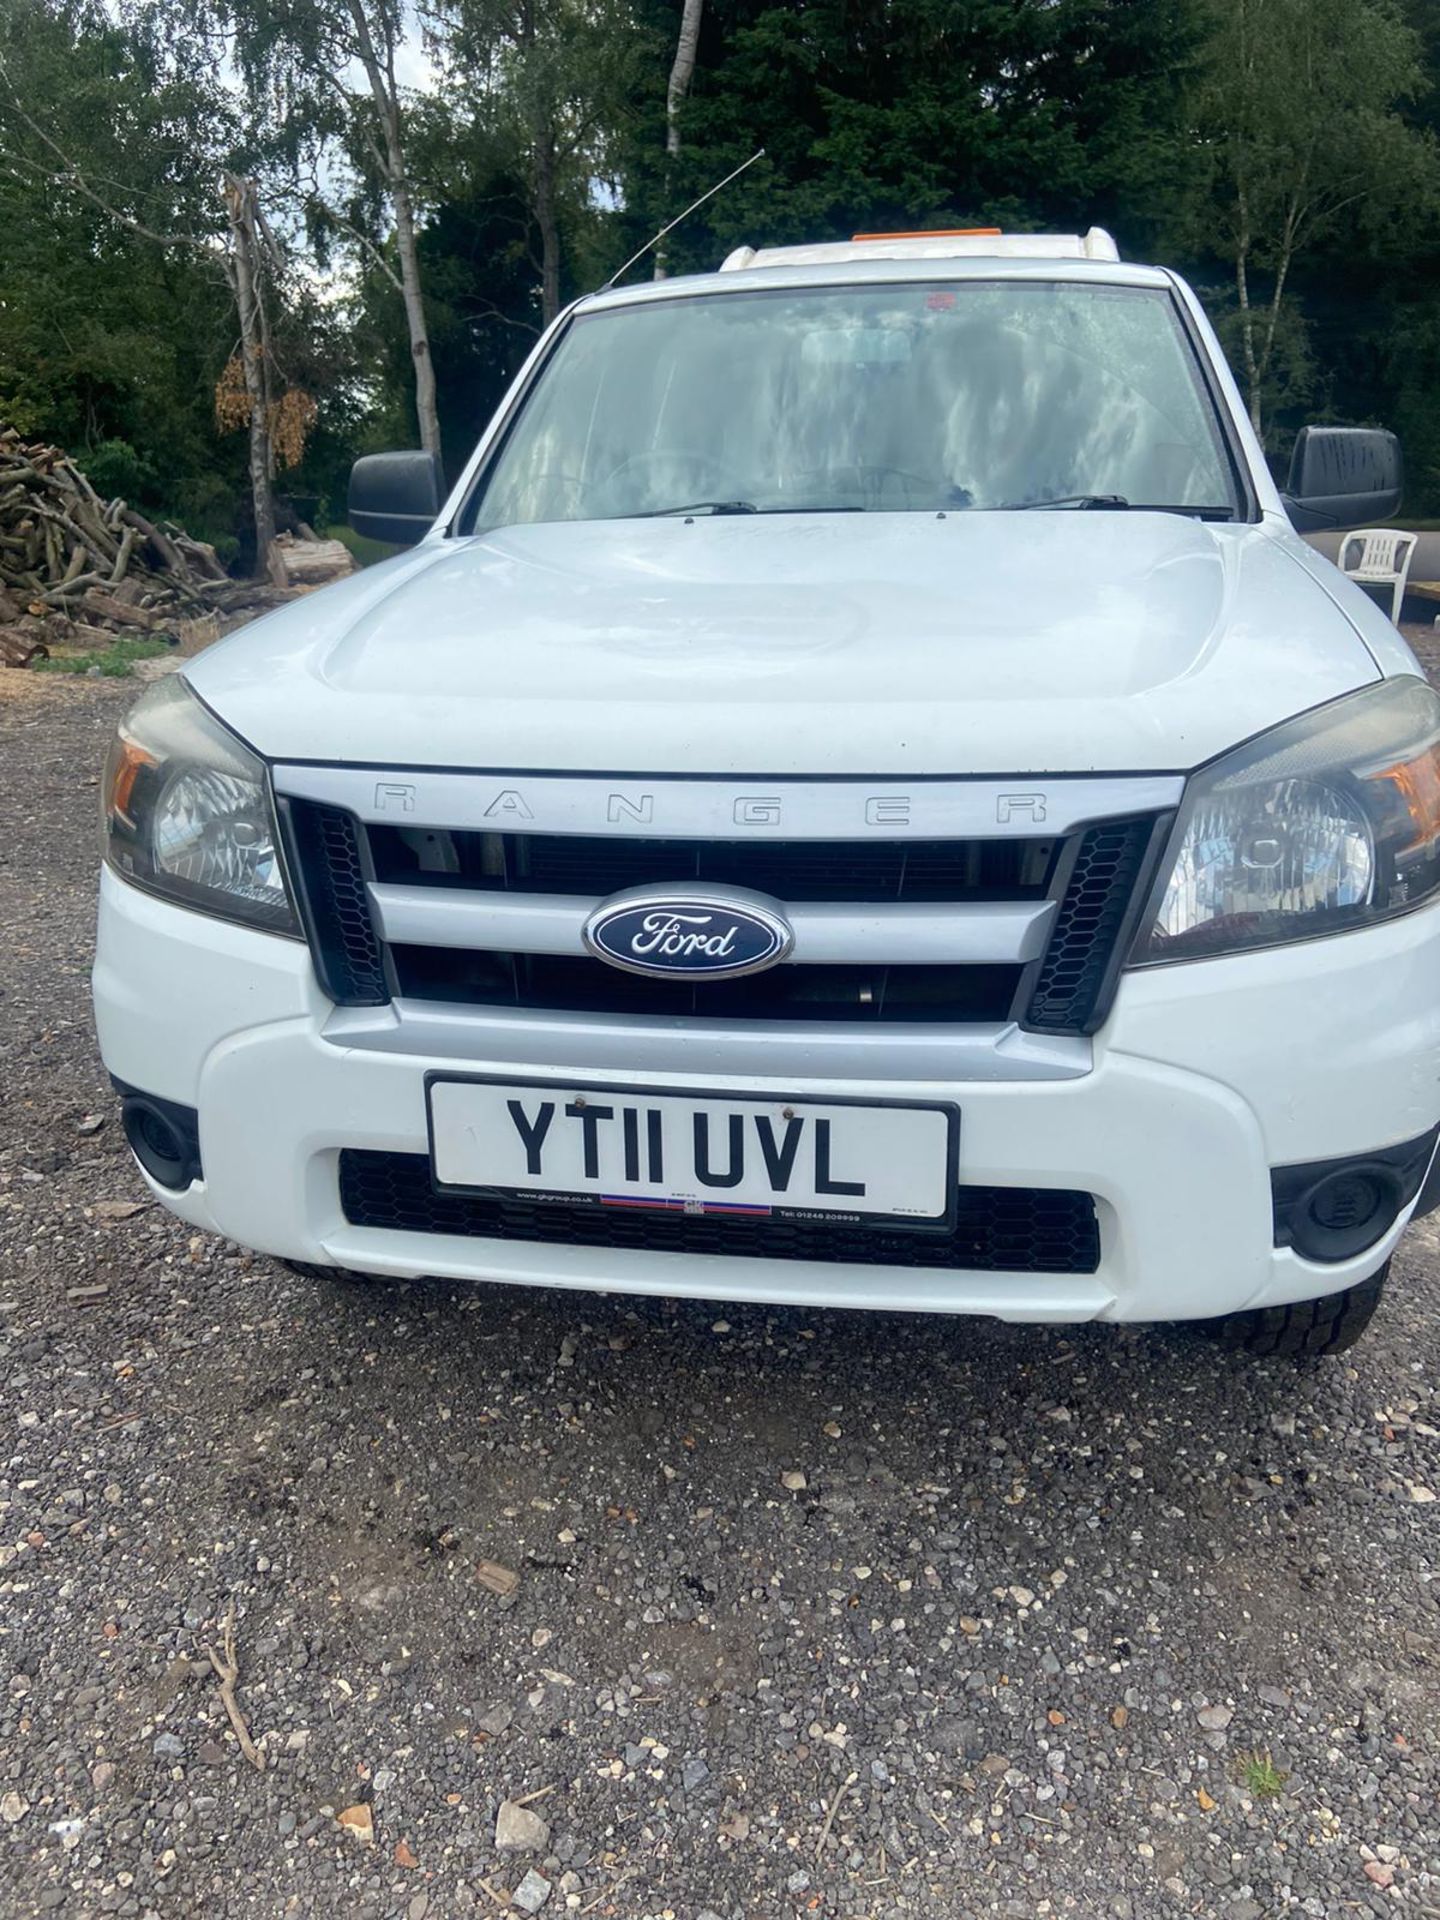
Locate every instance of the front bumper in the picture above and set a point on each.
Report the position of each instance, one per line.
(1205, 1077)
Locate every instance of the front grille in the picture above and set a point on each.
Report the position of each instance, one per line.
(795, 870)
(1097, 876)
(560, 984)
(997, 1230)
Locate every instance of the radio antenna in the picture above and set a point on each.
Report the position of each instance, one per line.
(710, 194)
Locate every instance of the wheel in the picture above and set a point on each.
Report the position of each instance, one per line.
(1331, 1324)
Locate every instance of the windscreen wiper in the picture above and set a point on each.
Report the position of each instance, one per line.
(694, 506)
(1116, 502)
(1081, 500)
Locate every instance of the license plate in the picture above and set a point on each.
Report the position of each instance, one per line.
(696, 1153)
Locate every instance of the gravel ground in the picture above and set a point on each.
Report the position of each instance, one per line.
(812, 1614)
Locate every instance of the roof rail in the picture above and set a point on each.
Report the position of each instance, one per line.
(955, 244)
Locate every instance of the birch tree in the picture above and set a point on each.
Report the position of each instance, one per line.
(682, 72)
(376, 52)
(331, 68)
(248, 263)
(1298, 121)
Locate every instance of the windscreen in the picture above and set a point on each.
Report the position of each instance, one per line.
(913, 397)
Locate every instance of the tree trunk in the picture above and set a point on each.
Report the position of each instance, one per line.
(547, 219)
(682, 72)
(1294, 219)
(384, 93)
(1247, 315)
(426, 411)
(245, 279)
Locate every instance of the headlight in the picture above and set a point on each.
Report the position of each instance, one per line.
(1328, 822)
(186, 812)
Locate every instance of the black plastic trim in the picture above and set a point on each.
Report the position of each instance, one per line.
(1398, 1173)
(351, 972)
(1429, 1196)
(175, 1169)
(1090, 1005)
(1248, 502)
(997, 1229)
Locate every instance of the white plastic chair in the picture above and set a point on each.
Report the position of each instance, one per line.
(1385, 558)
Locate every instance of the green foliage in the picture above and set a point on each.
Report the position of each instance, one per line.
(536, 142)
(114, 467)
(900, 113)
(1304, 154)
(109, 339)
(1262, 1778)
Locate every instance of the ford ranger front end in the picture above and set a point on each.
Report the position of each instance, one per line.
(861, 797)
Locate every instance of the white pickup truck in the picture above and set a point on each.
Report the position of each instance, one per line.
(859, 797)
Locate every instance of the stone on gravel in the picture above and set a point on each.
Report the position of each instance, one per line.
(532, 1892)
(359, 1822)
(168, 1746)
(497, 1579)
(520, 1829)
(13, 1808)
(1215, 1719)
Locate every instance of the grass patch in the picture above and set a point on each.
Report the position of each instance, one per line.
(366, 551)
(1261, 1777)
(111, 663)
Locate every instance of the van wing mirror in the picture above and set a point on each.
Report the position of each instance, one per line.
(396, 496)
(1343, 477)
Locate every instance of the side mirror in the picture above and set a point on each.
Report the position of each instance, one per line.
(395, 496)
(1343, 477)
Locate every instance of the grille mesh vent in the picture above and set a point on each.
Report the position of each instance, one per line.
(1070, 988)
(998, 1229)
(348, 960)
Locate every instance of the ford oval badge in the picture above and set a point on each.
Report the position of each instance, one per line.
(688, 935)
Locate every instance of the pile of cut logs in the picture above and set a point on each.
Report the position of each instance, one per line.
(77, 570)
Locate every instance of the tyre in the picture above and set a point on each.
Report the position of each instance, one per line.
(1331, 1324)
